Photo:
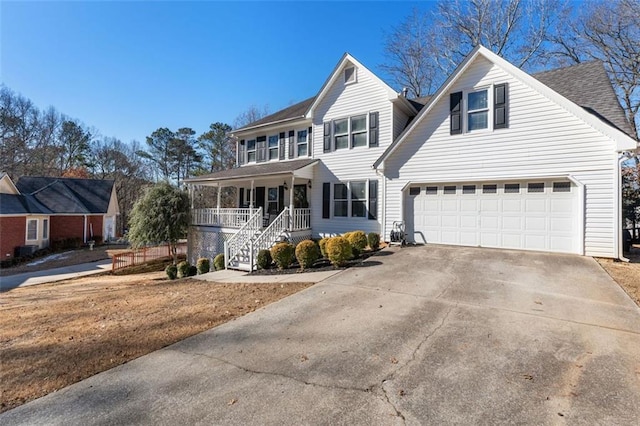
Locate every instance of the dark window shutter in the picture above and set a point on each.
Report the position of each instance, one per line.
(455, 108)
(500, 113)
(280, 198)
(292, 144)
(241, 195)
(309, 146)
(241, 153)
(373, 200)
(373, 129)
(281, 152)
(327, 137)
(326, 200)
(261, 149)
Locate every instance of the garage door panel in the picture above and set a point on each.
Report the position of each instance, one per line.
(525, 220)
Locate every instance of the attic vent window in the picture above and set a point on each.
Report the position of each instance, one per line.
(349, 75)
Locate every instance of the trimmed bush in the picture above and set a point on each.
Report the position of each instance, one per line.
(323, 246)
(283, 255)
(192, 271)
(183, 269)
(373, 239)
(358, 240)
(171, 271)
(218, 262)
(338, 250)
(203, 265)
(264, 259)
(307, 252)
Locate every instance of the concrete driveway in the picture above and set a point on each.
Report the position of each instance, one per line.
(425, 335)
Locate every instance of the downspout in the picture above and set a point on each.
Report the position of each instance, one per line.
(84, 230)
(383, 199)
(623, 157)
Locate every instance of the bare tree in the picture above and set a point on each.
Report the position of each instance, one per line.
(610, 32)
(253, 113)
(427, 46)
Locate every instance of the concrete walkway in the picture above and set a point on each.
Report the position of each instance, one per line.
(428, 335)
(52, 275)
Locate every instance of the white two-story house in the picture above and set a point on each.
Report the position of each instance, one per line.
(495, 158)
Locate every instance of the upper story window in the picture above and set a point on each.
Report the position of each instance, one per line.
(349, 75)
(303, 143)
(273, 147)
(351, 132)
(251, 151)
(478, 109)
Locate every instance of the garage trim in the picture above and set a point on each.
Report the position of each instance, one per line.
(580, 188)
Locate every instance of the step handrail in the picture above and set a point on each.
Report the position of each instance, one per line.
(270, 234)
(234, 245)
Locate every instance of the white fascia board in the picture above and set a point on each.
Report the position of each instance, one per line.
(244, 130)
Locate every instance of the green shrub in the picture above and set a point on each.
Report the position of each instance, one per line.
(171, 271)
(264, 259)
(203, 265)
(373, 239)
(323, 244)
(183, 269)
(218, 262)
(338, 250)
(307, 252)
(358, 240)
(193, 270)
(283, 255)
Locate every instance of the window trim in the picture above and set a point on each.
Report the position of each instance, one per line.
(270, 138)
(300, 144)
(341, 200)
(353, 133)
(45, 229)
(488, 108)
(254, 150)
(350, 200)
(29, 221)
(354, 76)
(336, 135)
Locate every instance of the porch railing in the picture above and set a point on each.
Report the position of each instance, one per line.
(225, 218)
(270, 235)
(300, 219)
(234, 246)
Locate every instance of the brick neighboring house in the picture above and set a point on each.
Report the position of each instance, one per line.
(39, 210)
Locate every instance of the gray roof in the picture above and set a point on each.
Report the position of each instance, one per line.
(294, 111)
(588, 85)
(69, 195)
(258, 170)
(21, 204)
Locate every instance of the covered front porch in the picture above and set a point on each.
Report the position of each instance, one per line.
(249, 208)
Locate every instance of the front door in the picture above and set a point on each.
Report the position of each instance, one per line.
(260, 197)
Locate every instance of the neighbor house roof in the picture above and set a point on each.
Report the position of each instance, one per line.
(69, 195)
(19, 204)
(588, 85)
(258, 170)
(292, 112)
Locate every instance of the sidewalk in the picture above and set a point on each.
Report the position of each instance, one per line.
(52, 275)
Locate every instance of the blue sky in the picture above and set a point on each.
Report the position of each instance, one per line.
(128, 68)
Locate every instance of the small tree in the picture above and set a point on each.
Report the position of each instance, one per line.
(161, 215)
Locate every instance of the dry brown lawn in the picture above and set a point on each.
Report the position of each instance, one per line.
(57, 334)
(626, 274)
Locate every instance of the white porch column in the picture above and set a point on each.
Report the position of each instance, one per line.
(293, 179)
(252, 201)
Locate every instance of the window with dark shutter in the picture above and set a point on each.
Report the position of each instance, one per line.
(500, 113)
(241, 197)
(281, 142)
(373, 129)
(455, 108)
(327, 137)
(241, 153)
(310, 142)
(261, 148)
(373, 199)
(326, 200)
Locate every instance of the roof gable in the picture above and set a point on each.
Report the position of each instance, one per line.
(6, 185)
(623, 140)
(336, 74)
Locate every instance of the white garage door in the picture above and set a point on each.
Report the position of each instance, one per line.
(530, 215)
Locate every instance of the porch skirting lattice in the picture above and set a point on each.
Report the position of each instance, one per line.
(206, 242)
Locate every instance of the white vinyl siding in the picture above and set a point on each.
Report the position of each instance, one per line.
(542, 140)
(346, 165)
